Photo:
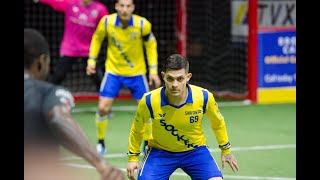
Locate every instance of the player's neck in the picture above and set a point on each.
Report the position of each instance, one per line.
(178, 100)
(86, 3)
(30, 74)
(124, 24)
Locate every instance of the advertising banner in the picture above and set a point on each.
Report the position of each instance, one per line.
(277, 59)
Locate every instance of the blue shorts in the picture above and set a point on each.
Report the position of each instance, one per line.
(198, 164)
(111, 85)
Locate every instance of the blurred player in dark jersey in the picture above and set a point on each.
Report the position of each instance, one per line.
(47, 119)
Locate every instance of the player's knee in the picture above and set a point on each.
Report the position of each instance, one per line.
(103, 109)
(104, 106)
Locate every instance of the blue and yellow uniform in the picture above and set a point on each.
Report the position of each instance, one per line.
(177, 130)
(125, 54)
(125, 63)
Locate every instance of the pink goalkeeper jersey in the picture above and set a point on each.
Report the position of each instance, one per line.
(80, 22)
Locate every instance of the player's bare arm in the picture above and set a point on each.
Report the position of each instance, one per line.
(73, 137)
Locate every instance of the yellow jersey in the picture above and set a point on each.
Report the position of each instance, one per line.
(177, 128)
(125, 52)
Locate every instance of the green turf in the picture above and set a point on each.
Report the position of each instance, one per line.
(248, 126)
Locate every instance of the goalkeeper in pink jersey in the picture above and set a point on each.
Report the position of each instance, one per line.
(80, 20)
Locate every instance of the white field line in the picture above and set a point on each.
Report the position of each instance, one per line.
(184, 174)
(252, 148)
(133, 108)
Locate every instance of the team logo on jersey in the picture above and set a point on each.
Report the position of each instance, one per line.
(133, 35)
(94, 13)
(196, 112)
(175, 132)
(75, 9)
(162, 115)
(66, 98)
(83, 17)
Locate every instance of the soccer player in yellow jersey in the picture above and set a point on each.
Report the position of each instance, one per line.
(178, 140)
(126, 35)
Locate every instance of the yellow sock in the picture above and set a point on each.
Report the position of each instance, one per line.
(101, 124)
(147, 130)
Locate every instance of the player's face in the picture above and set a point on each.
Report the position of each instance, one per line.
(125, 9)
(86, 2)
(176, 81)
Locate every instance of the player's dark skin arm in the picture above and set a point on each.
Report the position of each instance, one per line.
(73, 138)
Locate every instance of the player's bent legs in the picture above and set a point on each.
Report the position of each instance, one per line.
(199, 164)
(157, 165)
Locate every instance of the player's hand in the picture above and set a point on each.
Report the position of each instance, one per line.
(154, 78)
(112, 173)
(231, 160)
(131, 167)
(91, 69)
(109, 172)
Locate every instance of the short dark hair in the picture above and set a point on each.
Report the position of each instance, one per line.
(176, 62)
(131, 1)
(35, 44)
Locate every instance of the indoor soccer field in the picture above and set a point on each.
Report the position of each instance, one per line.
(263, 139)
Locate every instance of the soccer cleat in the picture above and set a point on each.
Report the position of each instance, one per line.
(101, 149)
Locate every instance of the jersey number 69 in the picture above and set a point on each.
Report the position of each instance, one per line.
(193, 119)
